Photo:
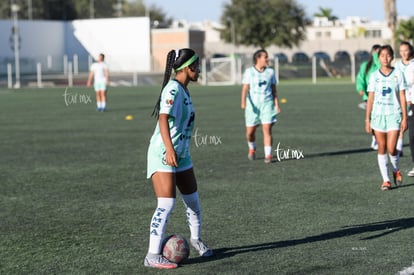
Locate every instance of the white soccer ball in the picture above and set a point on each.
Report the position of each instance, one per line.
(175, 249)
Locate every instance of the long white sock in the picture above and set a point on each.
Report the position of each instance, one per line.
(98, 104)
(268, 150)
(252, 145)
(400, 144)
(383, 166)
(394, 162)
(193, 211)
(159, 223)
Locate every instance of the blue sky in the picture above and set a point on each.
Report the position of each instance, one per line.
(196, 10)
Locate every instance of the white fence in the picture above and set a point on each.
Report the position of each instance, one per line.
(229, 70)
(217, 71)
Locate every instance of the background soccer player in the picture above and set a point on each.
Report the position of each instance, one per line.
(406, 53)
(100, 74)
(260, 102)
(365, 70)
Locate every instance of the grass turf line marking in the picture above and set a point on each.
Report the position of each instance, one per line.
(407, 270)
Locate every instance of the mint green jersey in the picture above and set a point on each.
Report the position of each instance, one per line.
(386, 89)
(176, 102)
(260, 84)
(399, 65)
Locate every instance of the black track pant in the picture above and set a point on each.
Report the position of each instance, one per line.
(411, 129)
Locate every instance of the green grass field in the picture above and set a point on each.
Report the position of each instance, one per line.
(74, 198)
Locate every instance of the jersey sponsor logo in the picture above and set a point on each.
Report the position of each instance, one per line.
(386, 90)
(262, 83)
(187, 101)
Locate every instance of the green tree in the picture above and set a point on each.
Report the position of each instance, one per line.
(81, 9)
(326, 12)
(94, 9)
(56, 10)
(405, 31)
(264, 23)
(40, 9)
(156, 14)
(24, 11)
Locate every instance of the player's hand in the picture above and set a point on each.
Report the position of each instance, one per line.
(403, 126)
(368, 128)
(171, 158)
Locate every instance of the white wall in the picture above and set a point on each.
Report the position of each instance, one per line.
(124, 41)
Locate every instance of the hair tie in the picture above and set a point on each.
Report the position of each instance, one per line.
(177, 52)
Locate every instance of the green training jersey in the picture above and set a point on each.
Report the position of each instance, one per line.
(363, 75)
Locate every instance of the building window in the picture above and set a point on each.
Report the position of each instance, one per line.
(377, 33)
(373, 34)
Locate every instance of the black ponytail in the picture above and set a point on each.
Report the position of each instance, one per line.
(371, 58)
(167, 75)
(175, 59)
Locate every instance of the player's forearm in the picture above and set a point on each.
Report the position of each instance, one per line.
(165, 131)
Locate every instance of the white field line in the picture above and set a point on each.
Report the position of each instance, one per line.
(407, 271)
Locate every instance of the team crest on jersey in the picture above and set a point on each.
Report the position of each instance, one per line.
(386, 90)
(396, 78)
(169, 101)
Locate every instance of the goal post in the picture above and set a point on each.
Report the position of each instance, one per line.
(221, 71)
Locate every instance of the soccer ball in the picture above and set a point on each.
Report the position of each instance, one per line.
(175, 249)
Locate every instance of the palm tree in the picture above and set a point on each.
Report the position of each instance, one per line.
(326, 12)
(391, 18)
(405, 31)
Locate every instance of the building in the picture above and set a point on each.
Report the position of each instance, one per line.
(351, 34)
(165, 40)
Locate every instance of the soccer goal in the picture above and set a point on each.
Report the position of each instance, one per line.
(221, 71)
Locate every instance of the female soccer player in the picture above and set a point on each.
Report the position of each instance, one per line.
(260, 102)
(406, 53)
(169, 160)
(386, 113)
(100, 74)
(365, 70)
(409, 77)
